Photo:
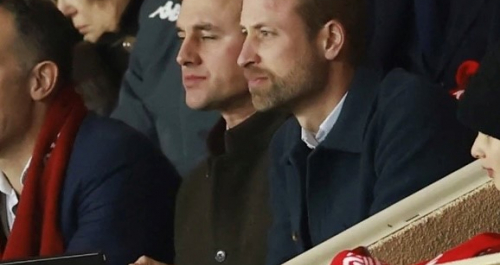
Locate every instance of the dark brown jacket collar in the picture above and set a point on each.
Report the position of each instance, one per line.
(247, 136)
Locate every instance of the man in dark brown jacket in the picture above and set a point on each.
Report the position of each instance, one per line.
(222, 213)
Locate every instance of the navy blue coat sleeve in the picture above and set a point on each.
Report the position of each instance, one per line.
(280, 233)
(120, 200)
(420, 117)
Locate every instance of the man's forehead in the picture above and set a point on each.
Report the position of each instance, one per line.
(6, 16)
(208, 12)
(199, 25)
(7, 22)
(257, 12)
(271, 5)
(209, 6)
(276, 5)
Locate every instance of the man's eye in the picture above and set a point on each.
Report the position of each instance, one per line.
(265, 33)
(208, 37)
(244, 32)
(181, 35)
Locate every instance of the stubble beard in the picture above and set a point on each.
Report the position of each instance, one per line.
(306, 78)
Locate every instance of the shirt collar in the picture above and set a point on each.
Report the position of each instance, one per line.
(6, 187)
(25, 172)
(311, 140)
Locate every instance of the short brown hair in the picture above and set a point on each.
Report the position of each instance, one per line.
(350, 13)
(43, 34)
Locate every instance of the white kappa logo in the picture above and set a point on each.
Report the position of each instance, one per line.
(168, 11)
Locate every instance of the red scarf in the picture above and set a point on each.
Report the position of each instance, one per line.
(483, 244)
(36, 229)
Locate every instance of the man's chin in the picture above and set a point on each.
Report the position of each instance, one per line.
(196, 107)
(262, 103)
(201, 106)
(90, 38)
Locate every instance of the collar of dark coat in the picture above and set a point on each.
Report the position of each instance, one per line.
(347, 134)
(246, 137)
(463, 13)
(129, 25)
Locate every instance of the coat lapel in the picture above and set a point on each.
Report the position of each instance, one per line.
(347, 134)
(294, 162)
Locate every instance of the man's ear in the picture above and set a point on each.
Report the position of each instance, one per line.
(332, 37)
(43, 81)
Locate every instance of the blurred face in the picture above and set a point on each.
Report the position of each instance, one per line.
(282, 64)
(487, 150)
(16, 104)
(211, 41)
(92, 18)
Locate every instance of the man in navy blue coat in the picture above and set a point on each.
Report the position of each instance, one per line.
(71, 182)
(360, 140)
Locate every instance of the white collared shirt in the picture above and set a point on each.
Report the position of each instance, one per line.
(311, 140)
(11, 198)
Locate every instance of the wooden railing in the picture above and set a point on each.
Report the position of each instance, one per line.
(484, 260)
(404, 233)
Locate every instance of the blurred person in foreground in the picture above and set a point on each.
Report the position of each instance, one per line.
(70, 181)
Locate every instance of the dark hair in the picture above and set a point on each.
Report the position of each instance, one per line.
(350, 13)
(478, 108)
(43, 34)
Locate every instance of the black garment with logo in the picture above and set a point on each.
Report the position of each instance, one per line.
(152, 97)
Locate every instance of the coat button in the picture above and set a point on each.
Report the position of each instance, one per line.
(220, 256)
(295, 236)
(128, 43)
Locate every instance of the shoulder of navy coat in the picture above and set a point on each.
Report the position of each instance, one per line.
(432, 37)
(119, 194)
(395, 135)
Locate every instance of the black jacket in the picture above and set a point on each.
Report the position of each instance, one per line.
(222, 213)
(432, 37)
(98, 68)
(115, 47)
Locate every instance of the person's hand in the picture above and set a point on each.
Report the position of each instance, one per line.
(147, 261)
